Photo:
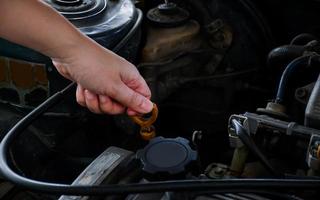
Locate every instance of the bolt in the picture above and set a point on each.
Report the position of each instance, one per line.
(218, 170)
(301, 93)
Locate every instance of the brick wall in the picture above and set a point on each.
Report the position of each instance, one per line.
(22, 83)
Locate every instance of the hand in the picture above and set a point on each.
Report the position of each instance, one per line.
(107, 83)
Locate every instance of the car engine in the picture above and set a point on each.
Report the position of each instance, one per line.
(237, 89)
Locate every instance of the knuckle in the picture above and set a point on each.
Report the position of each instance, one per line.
(105, 108)
(112, 91)
(134, 82)
(92, 105)
(136, 100)
(112, 109)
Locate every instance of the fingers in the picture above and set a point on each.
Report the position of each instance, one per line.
(132, 91)
(98, 103)
(92, 102)
(132, 99)
(129, 90)
(136, 83)
(136, 102)
(80, 96)
(107, 105)
(131, 112)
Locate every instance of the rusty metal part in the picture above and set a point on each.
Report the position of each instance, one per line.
(220, 34)
(238, 162)
(275, 110)
(164, 43)
(217, 171)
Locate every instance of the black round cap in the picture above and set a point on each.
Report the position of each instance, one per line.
(166, 155)
(168, 15)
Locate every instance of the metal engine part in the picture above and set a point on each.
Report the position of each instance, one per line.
(102, 170)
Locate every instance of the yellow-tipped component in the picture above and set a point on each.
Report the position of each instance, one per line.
(147, 133)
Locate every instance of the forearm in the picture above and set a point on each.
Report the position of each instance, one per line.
(33, 24)
(107, 82)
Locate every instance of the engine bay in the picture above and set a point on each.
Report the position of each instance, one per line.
(237, 90)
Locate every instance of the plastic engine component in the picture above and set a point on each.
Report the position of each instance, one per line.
(104, 21)
(166, 155)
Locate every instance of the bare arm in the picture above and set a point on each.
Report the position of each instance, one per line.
(35, 25)
(106, 82)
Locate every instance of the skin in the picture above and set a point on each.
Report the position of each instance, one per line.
(106, 82)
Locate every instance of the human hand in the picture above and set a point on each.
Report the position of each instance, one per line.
(107, 83)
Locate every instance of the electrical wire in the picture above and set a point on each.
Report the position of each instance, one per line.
(245, 193)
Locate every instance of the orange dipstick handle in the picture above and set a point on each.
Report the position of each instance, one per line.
(146, 122)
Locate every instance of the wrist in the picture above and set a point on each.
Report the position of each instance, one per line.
(67, 49)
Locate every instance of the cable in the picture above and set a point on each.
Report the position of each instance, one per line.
(284, 54)
(303, 39)
(246, 193)
(245, 138)
(290, 69)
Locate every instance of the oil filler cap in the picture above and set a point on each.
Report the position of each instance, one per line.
(166, 156)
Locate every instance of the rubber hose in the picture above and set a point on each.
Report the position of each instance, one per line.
(287, 73)
(303, 39)
(284, 54)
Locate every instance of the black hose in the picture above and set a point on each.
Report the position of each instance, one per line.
(244, 193)
(303, 39)
(287, 73)
(284, 54)
(246, 139)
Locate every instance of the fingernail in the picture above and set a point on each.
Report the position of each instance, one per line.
(147, 106)
(89, 95)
